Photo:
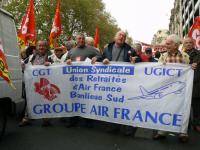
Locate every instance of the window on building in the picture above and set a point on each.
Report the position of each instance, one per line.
(184, 32)
(182, 11)
(195, 1)
(186, 16)
(181, 2)
(196, 13)
(190, 8)
(191, 22)
(187, 29)
(185, 4)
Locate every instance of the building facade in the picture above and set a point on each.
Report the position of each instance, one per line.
(190, 9)
(160, 36)
(175, 25)
(183, 15)
(159, 39)
(3, 2)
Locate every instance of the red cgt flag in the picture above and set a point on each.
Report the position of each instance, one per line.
(96, 38)
(194, 32)
(56, 27)
(4, 73)
(27, 33)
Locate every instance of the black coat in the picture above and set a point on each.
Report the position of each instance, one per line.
(195, 58)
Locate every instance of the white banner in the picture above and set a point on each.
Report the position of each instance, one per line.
(149, 95)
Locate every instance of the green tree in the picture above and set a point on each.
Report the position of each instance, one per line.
(77, 16)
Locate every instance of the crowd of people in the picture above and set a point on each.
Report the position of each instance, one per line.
(118, 51)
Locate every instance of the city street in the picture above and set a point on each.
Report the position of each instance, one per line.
(58, 137)
(128, 62)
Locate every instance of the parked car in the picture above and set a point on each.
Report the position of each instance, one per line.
(10, 100)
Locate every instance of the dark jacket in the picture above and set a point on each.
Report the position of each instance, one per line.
(152, 59)
(195, 58)
(127, 50)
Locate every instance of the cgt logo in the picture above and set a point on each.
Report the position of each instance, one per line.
(48, 90)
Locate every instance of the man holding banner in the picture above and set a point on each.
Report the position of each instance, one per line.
(82, 52)
(173, 55)
(39, 58)
(188, 45)
(120, 51)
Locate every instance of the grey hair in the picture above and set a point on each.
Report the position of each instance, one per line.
(90, 40)
(69, 44)
(174, 38)
(120, 32)
(80, 34)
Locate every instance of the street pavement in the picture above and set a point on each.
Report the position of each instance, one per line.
(58, 137)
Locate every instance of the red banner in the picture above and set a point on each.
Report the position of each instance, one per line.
(194, 32)
(27, 33)
(56, 27)
(4, 73)
(96, 38)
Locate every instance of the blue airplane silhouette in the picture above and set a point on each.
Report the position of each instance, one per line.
(171, 88)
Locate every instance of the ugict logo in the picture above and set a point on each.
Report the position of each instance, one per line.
(48, 90)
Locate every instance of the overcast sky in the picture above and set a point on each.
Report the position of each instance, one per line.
(141, 18)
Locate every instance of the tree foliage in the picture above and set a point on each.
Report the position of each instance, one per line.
(76, 15)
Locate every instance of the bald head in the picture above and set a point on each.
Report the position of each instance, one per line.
(188, 43)
(42, 47)
(120, 38)
(172, 43)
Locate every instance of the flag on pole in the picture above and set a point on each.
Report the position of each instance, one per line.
(96, 38)
(4, 73)
(27, 33)
(194, 32)
(56, 27)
